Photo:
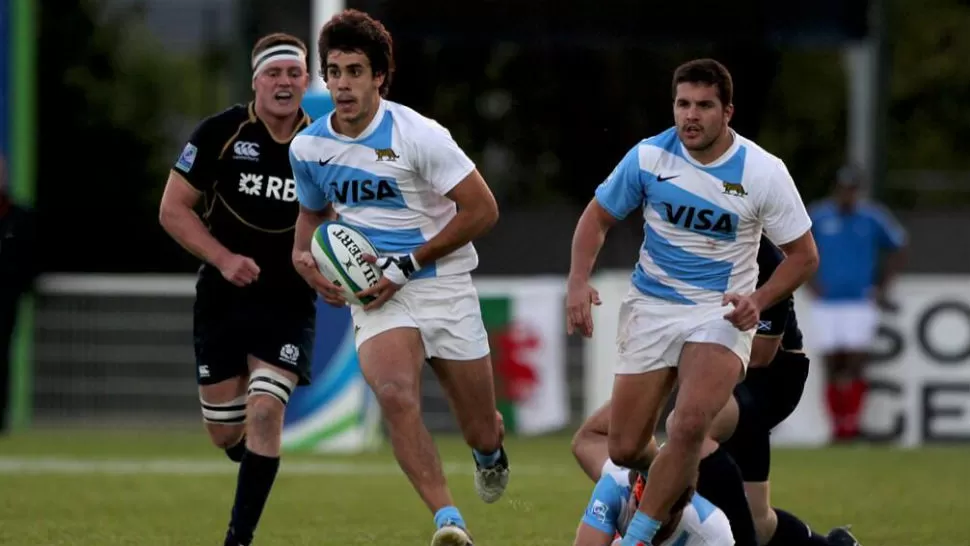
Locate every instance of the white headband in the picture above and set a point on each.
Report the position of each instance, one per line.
(277, 53)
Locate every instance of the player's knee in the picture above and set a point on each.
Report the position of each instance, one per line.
(624, 451)
(688, 426)
(225, 421)
(583, 437)
(224, 436)
(579, 440)
(269, 392)
(765, 523)
(265, 414)
(397, 399)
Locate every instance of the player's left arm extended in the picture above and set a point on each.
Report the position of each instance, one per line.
(477, 213)
(799, 264)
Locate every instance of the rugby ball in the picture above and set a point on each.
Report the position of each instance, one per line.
(339, 252)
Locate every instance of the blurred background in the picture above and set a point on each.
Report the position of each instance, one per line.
(99, 96)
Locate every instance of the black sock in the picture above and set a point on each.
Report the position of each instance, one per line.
(719, 481)
(256, 476)
(792, 531)
(235, 453)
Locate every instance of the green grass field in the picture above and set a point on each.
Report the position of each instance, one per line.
(164, 488)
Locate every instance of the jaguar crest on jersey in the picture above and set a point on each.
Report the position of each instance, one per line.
(386, 154)
(734, 188)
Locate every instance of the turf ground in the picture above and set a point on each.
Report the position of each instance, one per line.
(169, 488)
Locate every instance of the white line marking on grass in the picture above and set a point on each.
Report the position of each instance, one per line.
(50, 465)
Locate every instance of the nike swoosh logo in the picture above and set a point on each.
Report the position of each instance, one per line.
(665, 178)
(324, 163)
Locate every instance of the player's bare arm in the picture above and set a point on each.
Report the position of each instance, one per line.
(477, 213)
(178, 217)
(588, 239)
(587, 535)
(307, 222)
(799, 264)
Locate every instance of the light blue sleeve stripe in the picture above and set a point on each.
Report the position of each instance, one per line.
(309, 194)
(623, 191)
(604, 505)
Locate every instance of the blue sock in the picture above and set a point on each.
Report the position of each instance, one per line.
(448, 515)
(487, 460)
(641, 529)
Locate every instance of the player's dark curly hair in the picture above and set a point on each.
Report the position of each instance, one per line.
(705, 71)
(353, 30)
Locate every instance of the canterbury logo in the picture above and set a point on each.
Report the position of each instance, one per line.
(386, 154)
(732, 188)
(249, 150)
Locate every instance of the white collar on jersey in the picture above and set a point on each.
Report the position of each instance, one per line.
(735, 144)
(371, 127)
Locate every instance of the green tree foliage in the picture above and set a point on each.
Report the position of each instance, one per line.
(111, 101)
(928, 118)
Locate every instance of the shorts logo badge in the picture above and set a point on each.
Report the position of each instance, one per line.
(203, 371)
(386, 154)
(289, 353)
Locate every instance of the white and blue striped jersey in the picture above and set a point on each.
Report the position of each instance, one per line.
(609, 510)
(389, 182)
(703, 223)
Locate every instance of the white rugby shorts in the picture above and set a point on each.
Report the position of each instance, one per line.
(844, 326)
(652, 333)
(444, 309)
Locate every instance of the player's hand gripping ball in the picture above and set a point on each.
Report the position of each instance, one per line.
(339, 251)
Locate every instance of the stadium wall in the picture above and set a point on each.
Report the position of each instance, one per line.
(919, 382)
(117, 350)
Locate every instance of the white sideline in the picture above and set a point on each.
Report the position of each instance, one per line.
(50, 465)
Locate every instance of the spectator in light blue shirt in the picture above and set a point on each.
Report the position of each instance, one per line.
(853, 235)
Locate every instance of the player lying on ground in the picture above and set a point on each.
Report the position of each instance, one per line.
(694, 521)
(421, 202)
(769, 393)
(705, 194)
(253, 315)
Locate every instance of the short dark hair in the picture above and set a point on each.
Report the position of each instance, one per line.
(276, 39)
(708, 72)
(353, 30)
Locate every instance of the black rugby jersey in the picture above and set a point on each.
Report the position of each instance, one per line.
(250, 203)
(779, 319)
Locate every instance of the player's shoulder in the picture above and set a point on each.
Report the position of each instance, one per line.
(647, 152)
(317, 140)
(667, 141)
(759, 163)
(414, 126)
(227, 120)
